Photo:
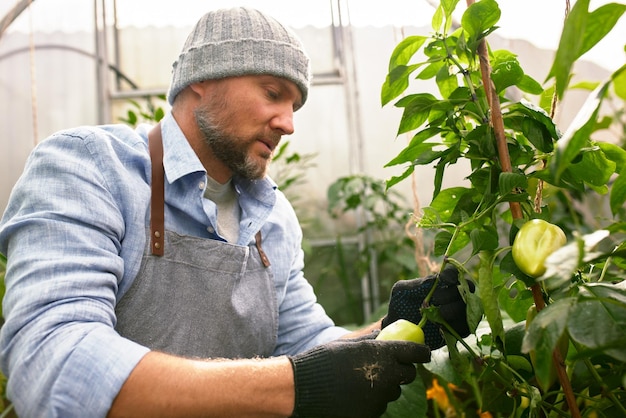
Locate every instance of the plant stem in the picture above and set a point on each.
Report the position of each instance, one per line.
(468, 82)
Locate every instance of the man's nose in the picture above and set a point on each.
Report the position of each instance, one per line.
(283, 121)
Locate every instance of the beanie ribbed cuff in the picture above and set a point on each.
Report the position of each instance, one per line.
(236, 42)
(313, 377)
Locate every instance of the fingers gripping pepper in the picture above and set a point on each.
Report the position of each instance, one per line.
(407, 298)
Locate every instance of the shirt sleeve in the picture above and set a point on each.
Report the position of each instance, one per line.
(62, 233)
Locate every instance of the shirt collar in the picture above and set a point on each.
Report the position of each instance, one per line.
(179, 159)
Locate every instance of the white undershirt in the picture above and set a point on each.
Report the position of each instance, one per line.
(228, 211)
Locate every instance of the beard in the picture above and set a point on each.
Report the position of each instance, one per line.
(230, 149)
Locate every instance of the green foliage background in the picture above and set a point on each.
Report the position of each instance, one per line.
(505, 369)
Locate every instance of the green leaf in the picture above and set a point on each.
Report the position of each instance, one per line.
(527, 108)
(159, 113)
(604, 122)
(493, 396)
(483, 239)
(448, 7)
(529, 85)
(441, 242)
(479, 17)
(614, 153)
(416, 147)
(442, 363)
(444, 246)
(444, 11)
(610, 292)
(515, 300)
(566, 179)
(545, 100)
(570, 45)
(397, 179)
(429, 156)
(448, 156)
(439, 48)
(619, 82)
(396, 82)
(446, 82)
(579, 131)
(131, 118)
(505, 70)
(599, 23)
(437, 19)
(482, 142)
(563, 263)
(585, 85)
(489, 297)
(405, 50)
(599, 320)
(594, 168)
(431, 69)
(507, 264)
(617, 197)
(534, 131)
(412, 402)
(416, 110)
(544, 332)
(443, 205)
(507, 182)
(412, 153)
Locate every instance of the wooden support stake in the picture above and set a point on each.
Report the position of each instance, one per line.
(516, 211)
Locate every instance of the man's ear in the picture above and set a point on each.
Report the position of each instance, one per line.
(191, 93)
(198, 88)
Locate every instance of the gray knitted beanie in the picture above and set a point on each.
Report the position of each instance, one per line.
(240, 41)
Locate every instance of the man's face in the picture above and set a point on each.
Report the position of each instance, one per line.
(243, 119)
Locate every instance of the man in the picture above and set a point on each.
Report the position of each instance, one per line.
(122, 301)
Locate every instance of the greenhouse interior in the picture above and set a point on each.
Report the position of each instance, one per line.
(383, 195)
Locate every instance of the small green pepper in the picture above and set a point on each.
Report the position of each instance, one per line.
(534, 242)
(402, 330)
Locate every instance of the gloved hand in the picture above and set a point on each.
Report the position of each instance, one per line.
(353, 378)
(407, 297)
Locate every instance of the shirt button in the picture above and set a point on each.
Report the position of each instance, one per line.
(201, 185)
(211, 230)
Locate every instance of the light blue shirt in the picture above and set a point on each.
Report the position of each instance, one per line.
(74, 233)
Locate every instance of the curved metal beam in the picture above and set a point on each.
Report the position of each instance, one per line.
(113, 68)
(12, 14)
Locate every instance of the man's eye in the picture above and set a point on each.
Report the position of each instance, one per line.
(272, 94)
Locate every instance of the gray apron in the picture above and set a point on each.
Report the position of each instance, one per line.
(201, 298)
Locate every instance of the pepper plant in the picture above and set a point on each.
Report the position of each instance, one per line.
(517, 154)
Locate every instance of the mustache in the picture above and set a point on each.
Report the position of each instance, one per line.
(271, 140)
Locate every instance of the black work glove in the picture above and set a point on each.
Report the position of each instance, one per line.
(407, 297)
(353, 378)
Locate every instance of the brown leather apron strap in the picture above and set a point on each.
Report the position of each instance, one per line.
(157, 200)
(264, 259)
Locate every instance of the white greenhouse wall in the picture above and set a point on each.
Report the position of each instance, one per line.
(65, 94)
